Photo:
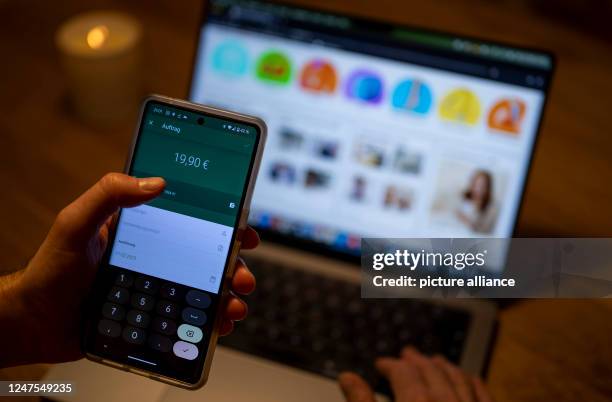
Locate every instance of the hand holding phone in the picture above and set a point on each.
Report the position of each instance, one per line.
(40, 306)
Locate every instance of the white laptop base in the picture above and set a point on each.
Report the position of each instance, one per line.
(234, 377)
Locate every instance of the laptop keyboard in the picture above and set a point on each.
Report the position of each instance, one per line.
(321, 324)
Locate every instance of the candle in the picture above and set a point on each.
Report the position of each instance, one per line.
(101, 56)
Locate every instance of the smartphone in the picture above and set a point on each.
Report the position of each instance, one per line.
(155, 306)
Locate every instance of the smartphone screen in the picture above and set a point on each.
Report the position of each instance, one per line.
(157, 293)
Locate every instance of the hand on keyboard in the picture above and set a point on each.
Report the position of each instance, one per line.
(322, 325)
(416, 378)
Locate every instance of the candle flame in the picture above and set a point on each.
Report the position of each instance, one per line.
(97, 36)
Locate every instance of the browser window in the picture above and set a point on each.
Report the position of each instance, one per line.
(374, 130)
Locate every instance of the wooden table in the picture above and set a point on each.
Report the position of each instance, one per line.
(547, 350)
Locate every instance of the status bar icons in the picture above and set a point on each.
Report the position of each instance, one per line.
(412, 96)
(230, 58)
(507, 115)
(365, 86)
(460, 105)
(274, 67)
(319, 76)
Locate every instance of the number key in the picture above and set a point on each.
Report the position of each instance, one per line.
(118, 295)
(171, 291)
(124, 279)
(146, 285)
(167, 308)
(134, 335)
(164, 325)
(113, 311)
(138, 318)
(142, 302)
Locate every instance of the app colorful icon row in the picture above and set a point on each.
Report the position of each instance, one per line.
(364, 85)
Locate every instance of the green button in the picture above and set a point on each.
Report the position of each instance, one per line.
(190, 333)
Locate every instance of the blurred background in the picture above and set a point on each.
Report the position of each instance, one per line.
(546, 350)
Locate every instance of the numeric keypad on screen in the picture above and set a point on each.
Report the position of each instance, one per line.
(164, 316)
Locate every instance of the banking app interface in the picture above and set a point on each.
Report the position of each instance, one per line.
(374, 130)
(184, 235)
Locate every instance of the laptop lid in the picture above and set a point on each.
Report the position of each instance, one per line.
(375, 130)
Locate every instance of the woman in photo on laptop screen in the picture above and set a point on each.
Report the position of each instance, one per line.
(467, 198)
(478, 210)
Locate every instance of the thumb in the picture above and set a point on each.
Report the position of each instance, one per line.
(355, 389)
(83, 217)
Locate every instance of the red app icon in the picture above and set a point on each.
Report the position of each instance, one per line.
(507, 115)
(319, 76)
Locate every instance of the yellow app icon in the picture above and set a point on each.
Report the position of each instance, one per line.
(460, 105)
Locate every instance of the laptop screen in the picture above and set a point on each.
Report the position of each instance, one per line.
(375, 130)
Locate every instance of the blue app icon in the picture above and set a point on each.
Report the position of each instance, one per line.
(341, 240)
(265, 221)
(413, 96)
(365, 85)
(230, 58)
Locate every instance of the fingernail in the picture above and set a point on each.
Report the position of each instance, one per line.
(151, 183)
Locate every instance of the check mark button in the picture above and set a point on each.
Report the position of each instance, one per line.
(185, 350)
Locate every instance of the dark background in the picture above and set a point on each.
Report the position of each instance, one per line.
(547, 350)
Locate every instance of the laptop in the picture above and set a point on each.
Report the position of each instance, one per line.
(375, 130)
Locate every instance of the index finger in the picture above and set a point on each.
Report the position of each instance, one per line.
(441, 387)
(460, 381)
(406, 381)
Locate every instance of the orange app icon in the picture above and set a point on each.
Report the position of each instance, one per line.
(507, 115)
(319, 76)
